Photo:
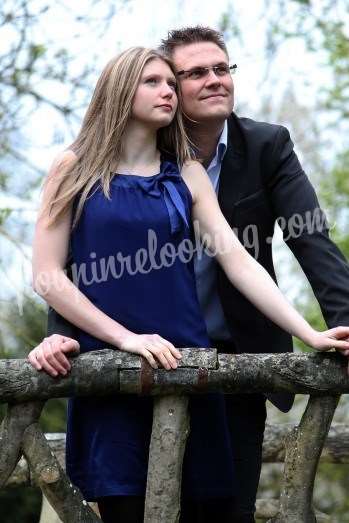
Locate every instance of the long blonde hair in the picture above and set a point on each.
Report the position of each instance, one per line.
(99, 144)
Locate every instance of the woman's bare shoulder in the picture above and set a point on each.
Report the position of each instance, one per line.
(63, 161)
(195, 176)
(193, 168)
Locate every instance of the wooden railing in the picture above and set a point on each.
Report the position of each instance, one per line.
(323, 376)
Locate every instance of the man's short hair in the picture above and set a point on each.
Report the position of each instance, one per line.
(191, 35)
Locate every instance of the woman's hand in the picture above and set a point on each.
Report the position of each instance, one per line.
(337, 338)
(153, 348)
(50, 355)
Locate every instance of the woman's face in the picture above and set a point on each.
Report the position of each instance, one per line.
(155, 101)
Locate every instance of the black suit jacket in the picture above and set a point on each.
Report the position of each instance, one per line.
(262, 181)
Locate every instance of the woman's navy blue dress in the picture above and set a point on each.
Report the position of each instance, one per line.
(133, 253)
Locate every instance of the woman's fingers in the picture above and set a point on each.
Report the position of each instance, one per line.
(336, 338)
(339, 332)
(338, 344)
(167, 352)
(170, 358)
(163, 353)
(175, 352)
(154, 348)
(327, 343)
(159, 355)
(161, 349)
(150, 358)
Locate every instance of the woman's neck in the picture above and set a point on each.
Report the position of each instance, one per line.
(140, 154)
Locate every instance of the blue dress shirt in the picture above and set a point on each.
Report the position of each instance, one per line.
(205, 266)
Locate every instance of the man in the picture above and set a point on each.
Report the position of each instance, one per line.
(258, 179)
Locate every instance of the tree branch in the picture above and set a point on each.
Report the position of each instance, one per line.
(111, 371)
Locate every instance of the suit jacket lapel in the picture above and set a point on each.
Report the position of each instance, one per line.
(232, 178)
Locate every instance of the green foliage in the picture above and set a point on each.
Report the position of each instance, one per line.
(24, 323)
(322, 27)
(3, 179)
(20, 505)
(4, 214)
(311, 311)
(36, 51)
(335, 194)
(332, 497)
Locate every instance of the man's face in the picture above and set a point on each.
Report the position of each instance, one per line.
(212, 96)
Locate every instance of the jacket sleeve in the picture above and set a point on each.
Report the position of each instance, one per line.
(306, 231)
(56, 324)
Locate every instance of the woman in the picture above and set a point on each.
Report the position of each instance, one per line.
(126, 195)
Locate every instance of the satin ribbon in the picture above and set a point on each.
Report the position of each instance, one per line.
(164, 185)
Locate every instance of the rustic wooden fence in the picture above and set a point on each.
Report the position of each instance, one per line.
(322, 376)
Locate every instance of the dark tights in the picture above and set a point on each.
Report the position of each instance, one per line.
(120, 509)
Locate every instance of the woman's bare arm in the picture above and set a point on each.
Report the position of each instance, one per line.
(244, 272)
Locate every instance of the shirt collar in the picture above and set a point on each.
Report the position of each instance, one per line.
(221, 146)
(223, 142)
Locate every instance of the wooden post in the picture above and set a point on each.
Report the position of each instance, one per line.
(167, 446)
(66, 499)
(303, 449)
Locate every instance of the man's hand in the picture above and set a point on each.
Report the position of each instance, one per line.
(50, 355)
